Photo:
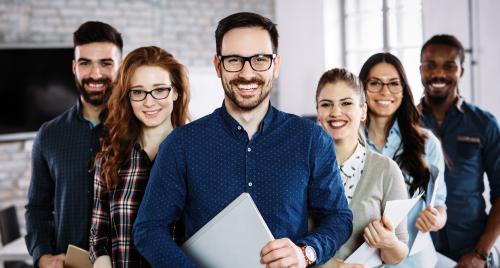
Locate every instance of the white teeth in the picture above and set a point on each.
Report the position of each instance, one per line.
(337, 123)
(247, 86)
(438, 85)
(95, 85)
(384, 102)
(151, 113)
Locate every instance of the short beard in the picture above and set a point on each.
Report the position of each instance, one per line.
(95, 99)
(437, 100)
(246, 106)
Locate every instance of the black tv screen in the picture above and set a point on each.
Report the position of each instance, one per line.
(36, 86)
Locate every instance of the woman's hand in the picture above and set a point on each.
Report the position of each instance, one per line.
(341, 264)
(430, 219)
(103, 262)
(380, 234)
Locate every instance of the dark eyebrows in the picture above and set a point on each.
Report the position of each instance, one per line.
(83, 60)
(154, 85)
(390, 79)
(100, 60)
(330, 101)
(106, 60)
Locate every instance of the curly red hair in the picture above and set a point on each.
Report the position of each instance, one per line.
(122, 128)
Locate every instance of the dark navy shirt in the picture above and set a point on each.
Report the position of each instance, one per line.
(288, 167)
(60, 193)
(471, 143)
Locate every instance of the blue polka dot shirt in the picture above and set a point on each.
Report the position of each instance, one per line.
(288, 167)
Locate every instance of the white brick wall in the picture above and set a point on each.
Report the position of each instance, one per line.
(183, 27)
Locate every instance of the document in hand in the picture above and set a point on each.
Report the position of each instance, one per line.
(233, 238)
(77, 258)
(395, 211)
(423, 241)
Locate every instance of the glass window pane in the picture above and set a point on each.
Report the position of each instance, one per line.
(405, 27)
(410, 58)
(397, 4)
(355, 60)
(364, 32)
(361, 6)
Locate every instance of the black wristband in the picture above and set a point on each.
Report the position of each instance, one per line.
(482, 255)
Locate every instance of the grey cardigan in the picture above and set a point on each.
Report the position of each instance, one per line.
(380, 182)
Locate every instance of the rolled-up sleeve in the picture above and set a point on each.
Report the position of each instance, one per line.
(492, 158)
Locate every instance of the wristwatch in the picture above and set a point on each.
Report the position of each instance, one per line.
(483, 255)
(309, 254)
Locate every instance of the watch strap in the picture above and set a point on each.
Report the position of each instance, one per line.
(483, 255)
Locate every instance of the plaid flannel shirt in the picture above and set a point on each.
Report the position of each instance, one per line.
(115, 211)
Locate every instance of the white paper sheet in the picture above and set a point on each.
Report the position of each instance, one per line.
(422, 240)
(395, 211)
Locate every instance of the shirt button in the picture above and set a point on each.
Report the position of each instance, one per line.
(90, 170)
(239, 127)
(249, 149)
(250, 184)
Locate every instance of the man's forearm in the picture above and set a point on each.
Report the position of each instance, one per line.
(492, 229)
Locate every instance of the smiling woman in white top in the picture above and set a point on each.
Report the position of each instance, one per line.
(370, 179)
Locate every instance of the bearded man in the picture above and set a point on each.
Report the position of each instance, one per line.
(471, 141)
(60, 198)
(286, 163)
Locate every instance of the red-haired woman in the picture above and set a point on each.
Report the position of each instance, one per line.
(150, 98)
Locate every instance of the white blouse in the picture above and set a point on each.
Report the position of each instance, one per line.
(351, 170)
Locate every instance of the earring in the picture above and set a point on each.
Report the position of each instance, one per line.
(175, 98)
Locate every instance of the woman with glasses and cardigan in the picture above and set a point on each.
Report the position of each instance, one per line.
(370, 179)
(150, 98)
(393, 129)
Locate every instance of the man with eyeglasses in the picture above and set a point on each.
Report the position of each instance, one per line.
(60, 194)
(286, 163)
(471, 141)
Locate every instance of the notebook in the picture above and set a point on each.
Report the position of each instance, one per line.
(233, 238)
(77, 258)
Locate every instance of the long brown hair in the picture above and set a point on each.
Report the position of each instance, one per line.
(122, 128)
(411, 160)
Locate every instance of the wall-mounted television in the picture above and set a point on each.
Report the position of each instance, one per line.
(37, 84)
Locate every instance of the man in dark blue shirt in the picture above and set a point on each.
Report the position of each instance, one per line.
(471, 142)
(286, 163)
(60, 194)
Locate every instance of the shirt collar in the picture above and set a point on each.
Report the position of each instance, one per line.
(79, 109)
(392, 144)
(235, 127)
(459, 104)
(79, 114)
(355, 162)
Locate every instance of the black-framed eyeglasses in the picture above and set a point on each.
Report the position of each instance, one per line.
(235, 63)
(157, 93)
(375, 86)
